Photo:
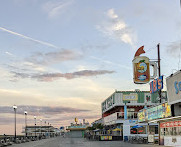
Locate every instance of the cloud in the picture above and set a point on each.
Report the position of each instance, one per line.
(55, 9)
(8, 53)
(29, 38)
(53, 57)
(117, 28)
(32, 110)
(9, 120)
(48, 77)
(174, 49)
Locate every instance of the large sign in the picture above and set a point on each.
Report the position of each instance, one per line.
(160, 111)
(170, 124)
(174, 88)
(130, 97)
(141, 67)
(156, 84)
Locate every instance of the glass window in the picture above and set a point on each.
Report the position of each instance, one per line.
(133, 130)
(153, 129)
(169, 131)
(142, 130)
(156, 129)
(166, 132)
(162, 131)
(130, 112)
(179, 129)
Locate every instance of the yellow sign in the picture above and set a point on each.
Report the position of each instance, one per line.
(76, 120)
(130, 97)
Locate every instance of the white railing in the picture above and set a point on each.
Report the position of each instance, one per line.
(118, 116)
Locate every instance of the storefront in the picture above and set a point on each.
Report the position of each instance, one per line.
(170, 131)
(154, 115)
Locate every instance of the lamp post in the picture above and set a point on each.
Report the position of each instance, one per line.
(25, 112)
(15, 107)
(48, 130)
(41, 125)
(45, 128)
(35, 125)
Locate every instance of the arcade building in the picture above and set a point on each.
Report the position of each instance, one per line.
(120, 111)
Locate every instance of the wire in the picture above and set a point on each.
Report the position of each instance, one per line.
(179, 57)
(148, 50)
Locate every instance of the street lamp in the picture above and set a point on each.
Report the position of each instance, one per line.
(45, 128)
(35, 125)
(48, 130)
(25, 112)
(41, 125)
(15, 107)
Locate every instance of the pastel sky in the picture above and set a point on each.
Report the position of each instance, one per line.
(59, 59)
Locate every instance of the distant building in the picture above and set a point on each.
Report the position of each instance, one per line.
(41, 131)
(77, 130)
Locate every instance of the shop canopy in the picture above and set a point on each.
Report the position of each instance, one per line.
(137, 126)
(117, 129)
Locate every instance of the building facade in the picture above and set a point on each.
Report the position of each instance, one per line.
(120, 110)
(47, 131)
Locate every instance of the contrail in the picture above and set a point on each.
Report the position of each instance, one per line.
(109, 62)
(29, 38)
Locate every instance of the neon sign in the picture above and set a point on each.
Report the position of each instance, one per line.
(156, 84)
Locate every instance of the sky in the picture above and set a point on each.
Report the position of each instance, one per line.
(59, 59)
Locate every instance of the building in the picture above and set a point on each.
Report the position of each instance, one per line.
(76, 130)
(120, 111)
(170, 127)
(41, 131)
(151, 115)
(167, 115)
(98, 121)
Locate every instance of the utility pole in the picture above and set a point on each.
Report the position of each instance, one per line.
(159, 70)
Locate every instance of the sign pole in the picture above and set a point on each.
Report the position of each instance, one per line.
(159, 92)
(159, 69)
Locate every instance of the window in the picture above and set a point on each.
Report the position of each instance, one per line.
(141, 130)
(162, 131)
(133, 131)
(156, 129)
(153, 129)
(130, 113)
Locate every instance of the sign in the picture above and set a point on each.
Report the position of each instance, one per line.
(132, 121)
(170, 124)
(172, 141)
(156, 84)
(150, 138)
(130, 97)
(141, 68)
(174, 88)
(142, 115)
(108, 103)
(106, 137)
(160, 111)
(76, 119)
